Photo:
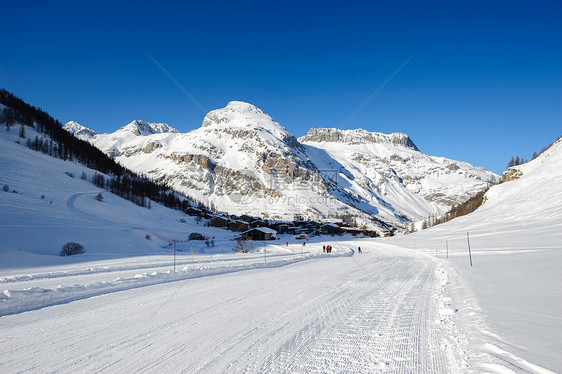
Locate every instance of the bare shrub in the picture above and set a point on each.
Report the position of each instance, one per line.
(71, 248)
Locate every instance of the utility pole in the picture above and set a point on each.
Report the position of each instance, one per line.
(447, 243)
(192, 257)
(469, 252)
(174, 255)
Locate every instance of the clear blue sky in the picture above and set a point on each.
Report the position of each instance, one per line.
(484, 82)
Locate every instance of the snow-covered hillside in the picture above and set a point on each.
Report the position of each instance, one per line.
(54, 205)
(243, 162)
(511, 294)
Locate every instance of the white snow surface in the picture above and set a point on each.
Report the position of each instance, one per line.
(401, 306)
(511, 295)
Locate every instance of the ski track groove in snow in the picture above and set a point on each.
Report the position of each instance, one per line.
(339, 320)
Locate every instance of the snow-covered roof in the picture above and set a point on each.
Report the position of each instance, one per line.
(265, 230)
(239, 221)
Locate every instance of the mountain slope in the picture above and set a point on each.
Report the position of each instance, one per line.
(54, 205)
(512, 300)
(391, 167)
(241, 161)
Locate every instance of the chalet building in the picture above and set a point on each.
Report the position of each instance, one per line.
(247, 218)
(292, 230)
(191, 211)
(282, 228)
(331, 229)
(238, 225)
(218, 221)
(207, 215)
(313, 225)
(259, 233)
(352, 230)
(258, 223)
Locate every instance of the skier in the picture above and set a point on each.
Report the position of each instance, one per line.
(323, 249)
(359, 249)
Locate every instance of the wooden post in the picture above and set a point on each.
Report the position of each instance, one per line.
(447, 244)
(174, 255)
(469, 252)
(192, 257)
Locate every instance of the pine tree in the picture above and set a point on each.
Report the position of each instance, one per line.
(511, 162)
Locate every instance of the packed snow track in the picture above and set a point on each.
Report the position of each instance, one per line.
(372, 312)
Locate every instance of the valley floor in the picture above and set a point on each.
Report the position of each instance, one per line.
(380, 311)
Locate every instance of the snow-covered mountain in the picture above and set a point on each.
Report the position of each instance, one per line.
(241, 161)
(391, 168)
(111, 144)
(79, 130)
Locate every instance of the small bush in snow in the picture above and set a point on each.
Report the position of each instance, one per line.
(182, 220)
(99, 197)
(147, 237)
(71, 248)
(196, 236)
(5, 188)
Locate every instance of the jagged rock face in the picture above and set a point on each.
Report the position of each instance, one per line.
(141, 128)
(359, 136)
(241, 161)
(391, 168)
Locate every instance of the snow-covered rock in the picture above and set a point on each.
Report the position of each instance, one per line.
(79, 131)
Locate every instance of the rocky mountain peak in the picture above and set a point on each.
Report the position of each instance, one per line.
(240, 106)
(238, 113)
(358, 136)
(240, 120)
(78, 130)
(142, 128)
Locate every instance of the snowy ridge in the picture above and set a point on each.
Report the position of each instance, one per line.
(241, 161)
(358, 136)
(141, 128)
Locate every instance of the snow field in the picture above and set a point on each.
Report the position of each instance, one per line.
(376, 312)
(509, 301)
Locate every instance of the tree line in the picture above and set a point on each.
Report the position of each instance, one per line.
(516, 160)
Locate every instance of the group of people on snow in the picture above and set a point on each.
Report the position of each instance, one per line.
(327, 248)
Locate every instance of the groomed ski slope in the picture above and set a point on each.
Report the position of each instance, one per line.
(381, 311)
